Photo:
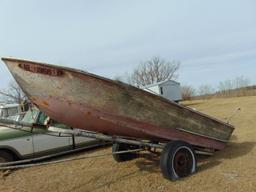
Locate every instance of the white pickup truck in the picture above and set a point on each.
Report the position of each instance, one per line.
(35, 142)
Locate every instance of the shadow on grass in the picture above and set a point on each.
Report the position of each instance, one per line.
(232, 151)
(233, 138)
(108, 183)
(145, 162)
(151, 162)
(207, 164)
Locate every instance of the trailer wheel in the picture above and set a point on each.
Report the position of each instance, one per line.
(5, 156)
(124, 156)
(178, 160)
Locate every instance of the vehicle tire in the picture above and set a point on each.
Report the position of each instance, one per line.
(125, 156)
(178, 160)
(6, 156)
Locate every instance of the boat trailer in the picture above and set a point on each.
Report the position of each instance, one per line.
(178, 158)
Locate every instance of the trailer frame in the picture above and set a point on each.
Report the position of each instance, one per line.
(177, 160)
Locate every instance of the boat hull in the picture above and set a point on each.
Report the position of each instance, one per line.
(90, 102)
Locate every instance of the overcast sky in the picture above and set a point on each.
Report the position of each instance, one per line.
(213, 40)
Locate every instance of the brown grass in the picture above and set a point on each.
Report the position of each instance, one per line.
(233, 169)
(240, 92)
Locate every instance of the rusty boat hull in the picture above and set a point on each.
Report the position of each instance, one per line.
(87, 101)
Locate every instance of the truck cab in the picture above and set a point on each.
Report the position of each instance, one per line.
(34, 142)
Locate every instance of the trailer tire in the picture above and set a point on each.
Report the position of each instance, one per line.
(6, 156)
(125, 156)
(178, 160)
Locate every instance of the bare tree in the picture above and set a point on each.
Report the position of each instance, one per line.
(187, 92)
(153, 71)
(234, 87)
(13, 94)
(240, 82)
(205, 90)
(226, 87)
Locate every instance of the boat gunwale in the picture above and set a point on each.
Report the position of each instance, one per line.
(119, 84)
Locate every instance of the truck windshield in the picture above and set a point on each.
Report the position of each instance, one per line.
(30, 116)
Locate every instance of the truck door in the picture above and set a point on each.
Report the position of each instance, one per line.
(18, 141)
(44, 143)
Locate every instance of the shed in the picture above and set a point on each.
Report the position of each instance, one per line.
(168, 89)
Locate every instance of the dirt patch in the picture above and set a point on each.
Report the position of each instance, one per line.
(233, 169)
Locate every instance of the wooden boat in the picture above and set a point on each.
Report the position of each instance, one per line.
(87, 101)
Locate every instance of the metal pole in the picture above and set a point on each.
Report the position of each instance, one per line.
(105, 137)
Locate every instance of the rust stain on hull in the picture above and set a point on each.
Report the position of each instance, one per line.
(94, 103)
(45, 103)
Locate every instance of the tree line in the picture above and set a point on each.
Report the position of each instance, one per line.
(231, 87)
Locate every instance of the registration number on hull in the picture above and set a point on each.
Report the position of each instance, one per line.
(41, 69)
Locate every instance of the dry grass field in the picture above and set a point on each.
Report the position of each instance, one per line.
(233, 169)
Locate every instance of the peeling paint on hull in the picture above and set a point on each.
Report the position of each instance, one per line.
(90, 102)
